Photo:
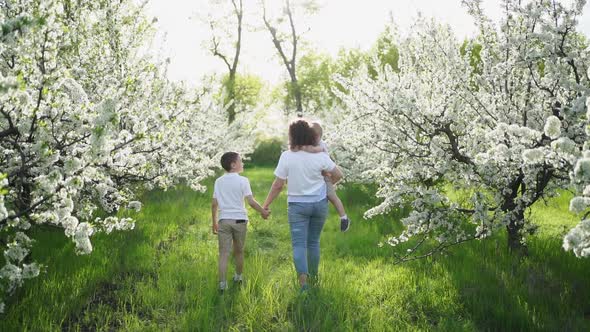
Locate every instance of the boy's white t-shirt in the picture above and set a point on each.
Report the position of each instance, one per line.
(304, 172)
(324, 146)
(230, 190)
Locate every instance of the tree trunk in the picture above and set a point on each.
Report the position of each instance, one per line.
(296, 89)
(297, 94)
(515, 236)
(231, 95)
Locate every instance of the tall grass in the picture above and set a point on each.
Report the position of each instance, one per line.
(163, 276)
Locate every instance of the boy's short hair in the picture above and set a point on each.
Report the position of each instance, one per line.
(228, 158)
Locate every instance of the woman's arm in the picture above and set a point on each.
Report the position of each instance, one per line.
(335, 174)
(312, 148)
(275, 190)
(254, 204)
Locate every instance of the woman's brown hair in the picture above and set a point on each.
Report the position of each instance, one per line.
(300, 134)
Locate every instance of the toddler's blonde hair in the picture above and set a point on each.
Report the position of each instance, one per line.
(317, 127)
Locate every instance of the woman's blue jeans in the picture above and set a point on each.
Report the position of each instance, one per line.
(306, 221)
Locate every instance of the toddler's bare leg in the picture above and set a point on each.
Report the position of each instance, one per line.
(335, 200)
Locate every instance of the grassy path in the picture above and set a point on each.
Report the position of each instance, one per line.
(162, 276)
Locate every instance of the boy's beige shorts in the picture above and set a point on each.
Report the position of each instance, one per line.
(230, 231)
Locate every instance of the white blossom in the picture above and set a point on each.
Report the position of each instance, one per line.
(578, 239)
(533, 156)
(70, 223)
(582, 169)
(82, 238)
(579, 204)
(15, 253)
(30, 270)
(552, 127)
(3, 210)
(13, 274)
(134, 205)
(74, 90)
(565, 145)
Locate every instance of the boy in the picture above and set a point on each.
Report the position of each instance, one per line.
(228, 196)
(331, 192)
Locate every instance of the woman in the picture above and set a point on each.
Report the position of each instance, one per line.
(308, 204)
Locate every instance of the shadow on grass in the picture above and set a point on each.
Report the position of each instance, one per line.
(72, 285)
(546, 291)
(97, 291)
(320, 309)
(496, 291)
(500, 291)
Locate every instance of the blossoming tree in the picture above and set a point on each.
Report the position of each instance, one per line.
(502, 125)
(85, 118)
(578, 238)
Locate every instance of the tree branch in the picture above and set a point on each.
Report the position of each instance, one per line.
(275, 39)
(216, 51)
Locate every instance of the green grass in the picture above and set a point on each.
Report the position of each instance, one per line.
(162, 276)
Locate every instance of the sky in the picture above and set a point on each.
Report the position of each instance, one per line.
(182, 36)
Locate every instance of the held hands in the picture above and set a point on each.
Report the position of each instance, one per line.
(265, 213)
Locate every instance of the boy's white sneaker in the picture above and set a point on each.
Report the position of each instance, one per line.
(238, 278)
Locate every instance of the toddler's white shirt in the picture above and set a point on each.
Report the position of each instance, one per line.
(323, 145)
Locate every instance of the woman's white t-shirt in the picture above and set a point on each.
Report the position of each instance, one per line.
(303, 170)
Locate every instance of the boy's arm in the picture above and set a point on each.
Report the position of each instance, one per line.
(275, 190)
(214, 206)
(254, 204)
